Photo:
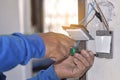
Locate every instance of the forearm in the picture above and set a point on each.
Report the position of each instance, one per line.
(19, 49)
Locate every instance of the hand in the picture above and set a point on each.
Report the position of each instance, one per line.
(57, 45)
(74, 66)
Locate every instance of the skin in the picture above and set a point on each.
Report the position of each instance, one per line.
(57, 45)
(66, 66)
(75, 66)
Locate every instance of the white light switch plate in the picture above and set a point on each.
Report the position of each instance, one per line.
(103, 44)
(77, 34)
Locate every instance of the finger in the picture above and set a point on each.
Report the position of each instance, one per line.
(65, 45)
(58, 56)
(92, 57)
(80, 68)
(64, 50)
(62, 38)
(78, 63)
(82, 59)
(88, 56)
(91, 53)
(68, 40)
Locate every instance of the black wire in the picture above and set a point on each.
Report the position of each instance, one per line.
(102, 16)
(97, 14)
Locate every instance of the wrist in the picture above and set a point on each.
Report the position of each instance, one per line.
(57, 71)
(53, 72)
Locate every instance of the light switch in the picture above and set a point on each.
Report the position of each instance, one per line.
(79, 34)
(104, 43)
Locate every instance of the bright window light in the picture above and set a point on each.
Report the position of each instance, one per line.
(58, 13)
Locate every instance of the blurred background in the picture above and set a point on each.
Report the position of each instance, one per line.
(31, 16)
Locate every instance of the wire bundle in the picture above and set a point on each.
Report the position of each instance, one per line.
(98, 13)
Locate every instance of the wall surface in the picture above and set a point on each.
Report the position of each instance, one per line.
(107, 69)
(9, 16)
(15, 17)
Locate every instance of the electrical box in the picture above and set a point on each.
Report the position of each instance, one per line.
(104, 44)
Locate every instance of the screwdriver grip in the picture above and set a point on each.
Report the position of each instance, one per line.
(72, 51)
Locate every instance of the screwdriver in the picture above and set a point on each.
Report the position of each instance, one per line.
(47, 62)
(74, 49)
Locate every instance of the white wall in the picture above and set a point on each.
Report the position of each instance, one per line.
(9, 16)
(105, 69)
(15, 17)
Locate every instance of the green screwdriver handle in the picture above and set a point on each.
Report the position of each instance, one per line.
(72, 51)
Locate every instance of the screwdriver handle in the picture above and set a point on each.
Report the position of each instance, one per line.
(72, 51)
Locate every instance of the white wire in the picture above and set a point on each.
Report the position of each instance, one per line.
(102, 16)
(87, 14)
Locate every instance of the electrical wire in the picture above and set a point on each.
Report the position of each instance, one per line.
(90, 20)
(102, 16)
(87, 14)
(93, 15)
(98, 13)
(93, 8)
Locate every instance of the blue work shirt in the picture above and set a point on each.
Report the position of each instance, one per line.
(19, 49)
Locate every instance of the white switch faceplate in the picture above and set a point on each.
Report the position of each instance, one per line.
(103, 44)
(77, 34)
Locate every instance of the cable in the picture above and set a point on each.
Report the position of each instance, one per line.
(91, 8)
(102, 16)
(97, 14)
(87, 14)
(90, 20)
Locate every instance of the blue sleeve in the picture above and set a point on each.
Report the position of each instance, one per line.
(19, 49)
(48, 74)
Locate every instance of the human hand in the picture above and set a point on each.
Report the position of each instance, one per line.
(57, 45)
(74, 66)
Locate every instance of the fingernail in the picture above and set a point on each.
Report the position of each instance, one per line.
(90, 52)
(76, 54)
(54, 59)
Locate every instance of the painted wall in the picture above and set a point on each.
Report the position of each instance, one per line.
(105, 69)
(15, 17)
(9, 16)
